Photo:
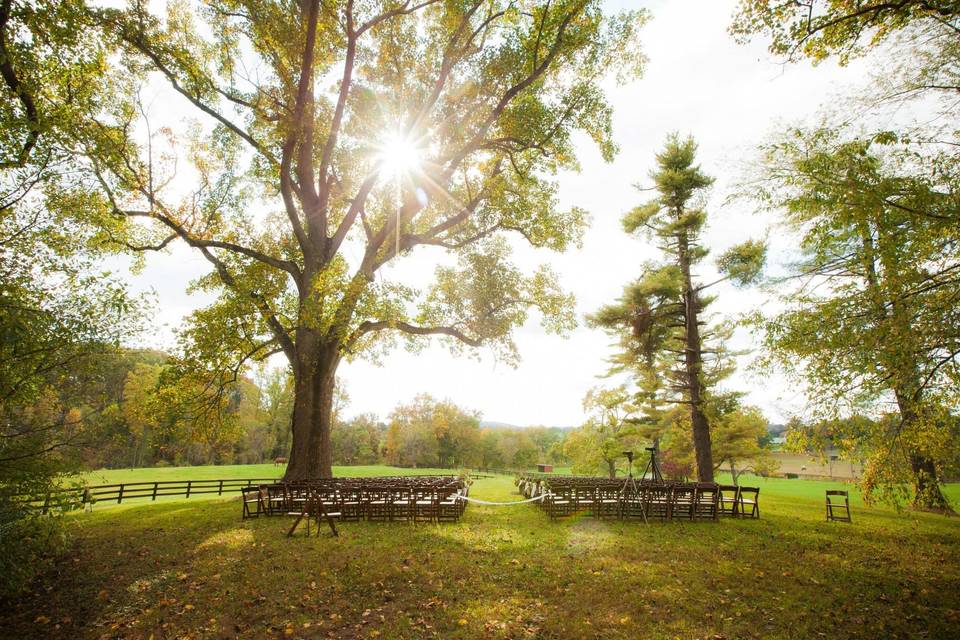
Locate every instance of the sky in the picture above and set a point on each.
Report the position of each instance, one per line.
(698, 81)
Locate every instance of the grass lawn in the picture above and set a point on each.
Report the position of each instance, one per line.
(814, 489)
(195, 570)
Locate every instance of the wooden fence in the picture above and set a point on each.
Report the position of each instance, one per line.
(117, 493)
(110, 493)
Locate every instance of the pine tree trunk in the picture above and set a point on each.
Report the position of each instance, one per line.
(693, 361)
(314, 381)
(733, 473)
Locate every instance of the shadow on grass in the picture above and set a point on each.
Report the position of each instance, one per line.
(197, 569)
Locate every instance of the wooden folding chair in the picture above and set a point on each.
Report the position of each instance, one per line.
(833, 507)
(657, 501)
(681, 501)
(251, 496)
(273, 498)
(448, 507)
(632, 504)
(748, 502)
(606, 503)
(313, 508)
(559, 503)
(402, 505)
(728, 494)
(425, 505)
(351, 504)
(706, 501)
(378, 503)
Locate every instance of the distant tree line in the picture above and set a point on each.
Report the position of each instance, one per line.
(148, 416)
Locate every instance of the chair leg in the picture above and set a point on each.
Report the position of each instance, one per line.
(333, 526)
(296, 523)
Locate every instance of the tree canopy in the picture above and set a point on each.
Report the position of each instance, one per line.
(300, 111)
(818, 29)
(869, 314)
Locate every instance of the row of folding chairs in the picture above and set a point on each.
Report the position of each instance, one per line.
(646, 501)
(396, 501)
(739, 502)
(606, 498)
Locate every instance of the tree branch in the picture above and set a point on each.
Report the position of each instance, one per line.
(13, 83)
(368, 326)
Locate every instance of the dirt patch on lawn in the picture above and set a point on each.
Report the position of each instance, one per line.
(588, 535)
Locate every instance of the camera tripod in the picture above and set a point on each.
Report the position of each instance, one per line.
(630, 488)
(653, 467)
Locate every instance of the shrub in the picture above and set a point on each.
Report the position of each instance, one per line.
(31, 543)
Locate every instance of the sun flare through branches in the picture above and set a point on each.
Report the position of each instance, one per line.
(398, 156)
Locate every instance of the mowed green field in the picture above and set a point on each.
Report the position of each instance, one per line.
(236, 471)
(194, 569)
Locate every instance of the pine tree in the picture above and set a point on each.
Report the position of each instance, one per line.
(660, 318)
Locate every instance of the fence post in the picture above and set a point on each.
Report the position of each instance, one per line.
(120, 495)
(155, 490)
(220, 491)
(189, 482)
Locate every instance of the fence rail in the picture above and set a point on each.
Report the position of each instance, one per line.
(110, 493)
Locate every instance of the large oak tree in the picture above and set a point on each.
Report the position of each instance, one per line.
(334, 138)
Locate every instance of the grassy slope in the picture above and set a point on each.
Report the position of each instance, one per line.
(194, 569)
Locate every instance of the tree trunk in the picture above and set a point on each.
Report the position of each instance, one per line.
(733, 472)
(927, 494)
(612, 469)
(314, 381)
(908, 391)
(693, 361)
